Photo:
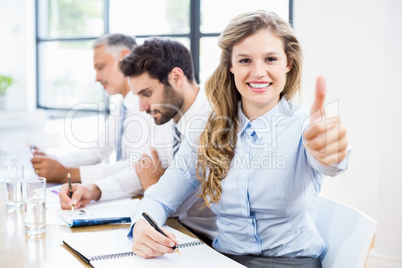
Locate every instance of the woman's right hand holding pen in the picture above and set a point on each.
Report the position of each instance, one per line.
(82, 195)
(149, 243)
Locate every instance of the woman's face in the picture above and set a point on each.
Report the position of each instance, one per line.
(259, 66)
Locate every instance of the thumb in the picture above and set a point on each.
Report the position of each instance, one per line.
(320, 92)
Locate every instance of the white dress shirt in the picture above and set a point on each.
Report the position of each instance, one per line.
(135, 141)
(124, 182)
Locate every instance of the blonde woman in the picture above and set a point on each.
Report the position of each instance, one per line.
(260, 160)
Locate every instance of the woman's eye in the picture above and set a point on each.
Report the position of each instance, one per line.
(270, 59)
(244, 61)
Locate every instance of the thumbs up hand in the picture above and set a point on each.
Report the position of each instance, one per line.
(325, 139)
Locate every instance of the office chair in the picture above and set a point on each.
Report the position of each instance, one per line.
(347, 233)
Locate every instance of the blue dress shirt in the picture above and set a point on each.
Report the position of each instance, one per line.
(269, 196)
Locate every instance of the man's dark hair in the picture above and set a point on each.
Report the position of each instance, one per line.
(158, 57)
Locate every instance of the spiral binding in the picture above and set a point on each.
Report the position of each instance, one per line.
(111, 256)
(190, 244)
(128, 254)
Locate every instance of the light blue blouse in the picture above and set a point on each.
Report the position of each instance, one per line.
(269, 195)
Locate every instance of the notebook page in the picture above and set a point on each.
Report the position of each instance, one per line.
(113, 208)
(115, 242)
(99, 209)
(92, 244)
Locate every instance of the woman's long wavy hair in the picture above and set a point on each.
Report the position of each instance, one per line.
(218, 139)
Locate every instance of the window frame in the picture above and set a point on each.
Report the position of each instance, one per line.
(195, 35)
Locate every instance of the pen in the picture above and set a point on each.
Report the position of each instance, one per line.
(32, 148)
(70, 189)
(153, 224)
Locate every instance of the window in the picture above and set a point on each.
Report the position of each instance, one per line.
(66, 30)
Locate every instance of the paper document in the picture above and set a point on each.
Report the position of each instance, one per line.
(105, 212)
(113, 249)
(94, 213)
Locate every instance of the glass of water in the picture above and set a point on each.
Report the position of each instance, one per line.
(13, 174)
(34, 199)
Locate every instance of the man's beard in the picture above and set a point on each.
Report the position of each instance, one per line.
(171, 105)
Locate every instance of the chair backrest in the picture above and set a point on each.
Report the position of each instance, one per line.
(347, 233)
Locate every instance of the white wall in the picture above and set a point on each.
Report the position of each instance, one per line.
(356, 45)
(389, 240)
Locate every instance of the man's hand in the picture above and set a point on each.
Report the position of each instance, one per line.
(53, 171)
(82, 195)
(325, 139)
(149, 243)
(149, 170)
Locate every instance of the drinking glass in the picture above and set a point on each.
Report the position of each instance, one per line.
(34, 199)
(13, 172)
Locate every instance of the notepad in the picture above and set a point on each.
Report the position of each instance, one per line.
(113, 249)
(105, 212)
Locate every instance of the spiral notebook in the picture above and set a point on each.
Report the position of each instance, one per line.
(113, 249)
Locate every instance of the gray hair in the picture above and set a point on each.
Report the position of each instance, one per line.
(115, 43)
